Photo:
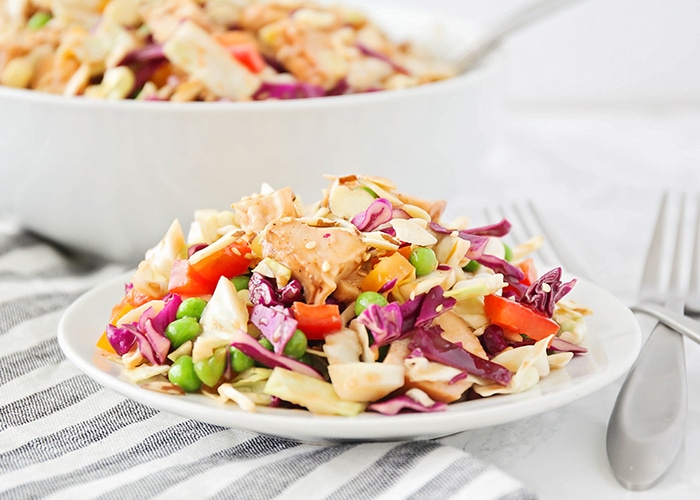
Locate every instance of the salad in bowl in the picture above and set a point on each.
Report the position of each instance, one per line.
(366, 301)
(184, 50)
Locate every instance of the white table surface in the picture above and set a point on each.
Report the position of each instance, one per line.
(599, 176)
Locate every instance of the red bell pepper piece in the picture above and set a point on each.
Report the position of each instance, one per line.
(518, 318)
(249, 56)
(317, 320)
(528, 268)
(199, 276)
(229, 261)
(184, 281)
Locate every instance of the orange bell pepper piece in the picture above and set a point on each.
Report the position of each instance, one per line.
(395, 266)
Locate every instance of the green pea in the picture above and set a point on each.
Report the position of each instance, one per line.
(38, 20)
(191, 307)
(181, 330)
(211, 369)
(424, 260)
(240, 361)
(240, 282)
(509, 253)
(365, 299)
(471, 267)
(296, 346)
(182, 373)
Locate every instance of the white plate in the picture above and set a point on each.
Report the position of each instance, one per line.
(613, 342)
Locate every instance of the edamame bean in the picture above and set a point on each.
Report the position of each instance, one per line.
(182, 374)
(181, 330)
(508, 253)
(266, 343)
(424, 260)
(471, 267)
(211, 369)
(365, 299)
(240, 361)
(240, 282)
(296, 345)
(295, 348)
(191, 307)
(38, 20)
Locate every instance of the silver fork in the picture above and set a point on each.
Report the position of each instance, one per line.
(647, 425)
(527, 223)
(634, 419)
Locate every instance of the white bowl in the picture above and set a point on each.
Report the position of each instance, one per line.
(108, 177)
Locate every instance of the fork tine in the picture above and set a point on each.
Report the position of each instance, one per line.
(647, 425)
(527, 223)
(676, 285)
(652, 274)
(693, 297)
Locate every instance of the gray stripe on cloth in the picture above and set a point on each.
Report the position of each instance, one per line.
(386, 471)
(272, 479)
(19, 363)
(456, 476)
(158, 445)
(76, 436)
(16, 311)
(16, 241)
(44, 403)
(73, 266)
(254, 448)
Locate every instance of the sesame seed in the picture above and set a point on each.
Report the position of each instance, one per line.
(326, 266)
(310, 245)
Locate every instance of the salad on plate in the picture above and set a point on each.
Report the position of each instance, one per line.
(203, 50)
(366, 301)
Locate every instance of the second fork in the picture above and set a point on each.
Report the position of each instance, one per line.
(647, 425)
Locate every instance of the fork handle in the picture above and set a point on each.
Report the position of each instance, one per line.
(647, 425)
(679, 322)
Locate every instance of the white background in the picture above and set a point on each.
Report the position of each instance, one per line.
(595, 52)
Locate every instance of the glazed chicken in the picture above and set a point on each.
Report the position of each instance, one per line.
(319, 257)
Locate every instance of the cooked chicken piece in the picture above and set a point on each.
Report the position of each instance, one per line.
(319, 257)
(164, 18)
(349, 288)
(457, 331)
(255, 212)
(305, 51)
(257, 15)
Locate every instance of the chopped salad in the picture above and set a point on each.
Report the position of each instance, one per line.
(202, 50)
(364, 301)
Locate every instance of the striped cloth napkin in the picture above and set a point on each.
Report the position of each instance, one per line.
(64, 436)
